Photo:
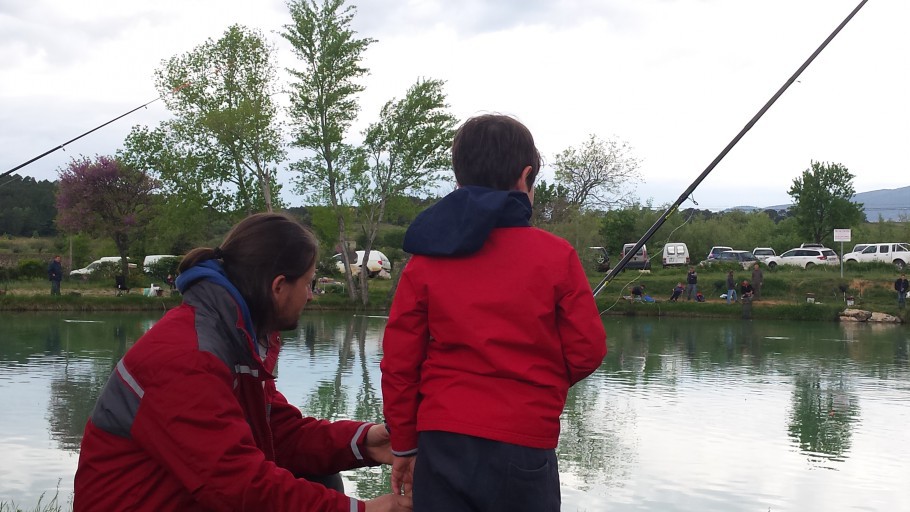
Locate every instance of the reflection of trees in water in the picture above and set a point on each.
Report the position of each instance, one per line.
(329, 399)
(74, 390)
(821, 418)
(339, 399)
(590, 444)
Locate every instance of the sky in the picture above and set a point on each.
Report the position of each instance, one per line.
(675, 79)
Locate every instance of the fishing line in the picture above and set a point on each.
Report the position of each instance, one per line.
(612, 273)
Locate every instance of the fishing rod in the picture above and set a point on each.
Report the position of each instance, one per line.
(660, 221)
(42, 155)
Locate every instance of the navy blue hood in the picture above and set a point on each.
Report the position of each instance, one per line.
(212, 271)
(460, 223)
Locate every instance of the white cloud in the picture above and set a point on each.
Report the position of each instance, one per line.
(675, 78)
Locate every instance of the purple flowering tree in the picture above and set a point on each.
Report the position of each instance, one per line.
(105, 197)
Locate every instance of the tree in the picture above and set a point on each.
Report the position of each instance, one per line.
(27, 206)
(408, 150)
(323, 105)
(596, 173)
(194, 206)
(104, 197)
(822, 201)
(551, 205)
(226, 119)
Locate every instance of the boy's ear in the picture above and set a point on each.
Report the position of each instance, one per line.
(522, 183)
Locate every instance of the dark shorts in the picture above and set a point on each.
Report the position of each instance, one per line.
(455, 472)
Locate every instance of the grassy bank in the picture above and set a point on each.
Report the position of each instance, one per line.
(784, 294)
(88, 296)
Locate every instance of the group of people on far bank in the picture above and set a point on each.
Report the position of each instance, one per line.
(750, 290)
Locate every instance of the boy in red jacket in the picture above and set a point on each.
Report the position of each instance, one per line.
(493, 320)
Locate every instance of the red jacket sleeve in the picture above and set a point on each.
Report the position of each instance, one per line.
(190, 422)
(404, 348)
(309, 446)
(581, 331)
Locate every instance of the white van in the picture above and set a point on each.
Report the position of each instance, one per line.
(378, 265)
(675, 254)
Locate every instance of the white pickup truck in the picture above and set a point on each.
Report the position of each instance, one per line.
(886, 252)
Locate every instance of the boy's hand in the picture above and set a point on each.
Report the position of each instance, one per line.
(390, 503)
(403, 475)
(377, 444)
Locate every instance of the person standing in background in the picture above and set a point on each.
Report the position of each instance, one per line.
(757, 278)
(691, 282)
(901, 286)
(55, 274)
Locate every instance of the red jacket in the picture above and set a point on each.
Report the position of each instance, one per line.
(488, 344)
(190, 420)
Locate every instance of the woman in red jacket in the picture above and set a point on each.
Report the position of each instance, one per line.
(190, 419)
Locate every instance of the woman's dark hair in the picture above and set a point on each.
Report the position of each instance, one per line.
(492, 150)
(255, 251)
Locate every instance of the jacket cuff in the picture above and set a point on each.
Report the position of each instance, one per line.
(359, 441)
(358, 506)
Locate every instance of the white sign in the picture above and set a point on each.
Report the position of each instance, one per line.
(841, 235)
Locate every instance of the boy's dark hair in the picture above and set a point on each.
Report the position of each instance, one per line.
(492, 150)
(257, 250)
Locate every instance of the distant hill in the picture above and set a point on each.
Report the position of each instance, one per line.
(890, 204)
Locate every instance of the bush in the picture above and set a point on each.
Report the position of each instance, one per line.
(160, 269)
(32, 269)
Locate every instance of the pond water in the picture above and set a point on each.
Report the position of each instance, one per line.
(684, 414)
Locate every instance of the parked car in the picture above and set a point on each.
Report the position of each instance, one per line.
(805, 257)
(675, 254)
(886, 252)
(763, 253)
(717, 249)
(378, 265)
(640, 260)
(601, 259)
(91, 267)
(744, 258)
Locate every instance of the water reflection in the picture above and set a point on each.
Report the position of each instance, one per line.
(821, 417)
(76, 384)
(682, 415)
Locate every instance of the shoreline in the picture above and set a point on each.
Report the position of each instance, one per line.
(759, 310)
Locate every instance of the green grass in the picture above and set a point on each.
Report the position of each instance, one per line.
(783, 295)
(51, 505)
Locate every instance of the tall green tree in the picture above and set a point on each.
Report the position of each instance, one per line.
(105, 198)
(408, 150)
(598, 173)
(822, 201)
(191, 203)
(221, 93)
(324, 104)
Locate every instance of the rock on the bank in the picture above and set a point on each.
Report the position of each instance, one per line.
(859, 315)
